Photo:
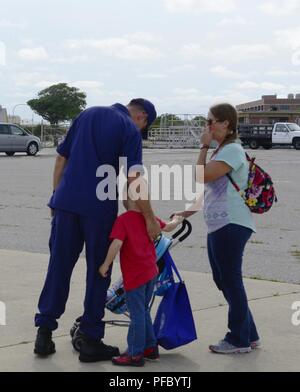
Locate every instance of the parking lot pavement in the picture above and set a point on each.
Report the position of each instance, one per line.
(273, 253)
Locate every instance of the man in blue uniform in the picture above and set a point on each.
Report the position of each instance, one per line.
(99, 136)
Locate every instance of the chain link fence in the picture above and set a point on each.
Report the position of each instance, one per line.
(50, 135)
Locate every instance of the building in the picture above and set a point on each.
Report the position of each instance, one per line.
(270, 109)
(3, 115)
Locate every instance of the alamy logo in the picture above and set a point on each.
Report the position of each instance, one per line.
(159, 182)
(2, 54)
(2, 314)
(296, 315)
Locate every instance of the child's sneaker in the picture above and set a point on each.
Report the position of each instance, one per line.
(151, 353)
(226, 348)
(255, 345)
(126, 360)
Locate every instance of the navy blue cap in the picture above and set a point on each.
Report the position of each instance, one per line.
(148, 107)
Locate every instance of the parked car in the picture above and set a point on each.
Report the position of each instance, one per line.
(14, 139)
(268, 135)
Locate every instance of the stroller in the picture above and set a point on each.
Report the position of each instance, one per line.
(116, 297)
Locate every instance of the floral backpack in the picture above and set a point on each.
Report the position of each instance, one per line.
(260, 194)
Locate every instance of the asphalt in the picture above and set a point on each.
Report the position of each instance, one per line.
(25, 222)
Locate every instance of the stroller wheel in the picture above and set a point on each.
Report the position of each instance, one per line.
(77, 339)
(74, 328)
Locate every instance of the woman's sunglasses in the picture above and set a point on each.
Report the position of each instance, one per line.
(210, 121)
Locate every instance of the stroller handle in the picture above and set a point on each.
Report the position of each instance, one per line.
(186, 226)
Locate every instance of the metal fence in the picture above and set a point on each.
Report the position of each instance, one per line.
(52, 136)
(174, 137)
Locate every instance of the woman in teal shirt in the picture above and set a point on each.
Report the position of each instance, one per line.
(230, 225)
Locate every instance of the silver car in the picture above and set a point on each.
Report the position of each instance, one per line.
(14, 139)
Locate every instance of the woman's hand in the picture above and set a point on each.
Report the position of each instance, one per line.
(178, 219)
(184, 214)
(206, 137)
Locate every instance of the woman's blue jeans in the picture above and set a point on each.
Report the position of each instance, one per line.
(140, 334)
(225, 251)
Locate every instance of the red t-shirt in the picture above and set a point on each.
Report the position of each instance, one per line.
(137, 256)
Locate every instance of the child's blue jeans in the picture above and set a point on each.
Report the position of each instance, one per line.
(140, 334)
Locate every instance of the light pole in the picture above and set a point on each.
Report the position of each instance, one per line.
(19, 104)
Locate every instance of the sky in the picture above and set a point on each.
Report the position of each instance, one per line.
(184, 55)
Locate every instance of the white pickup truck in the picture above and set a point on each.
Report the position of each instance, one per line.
(267, 136)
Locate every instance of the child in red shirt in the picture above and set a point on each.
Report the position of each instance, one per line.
(139, 270)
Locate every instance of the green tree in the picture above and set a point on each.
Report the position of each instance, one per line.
(59, 103)
(167, 120)
(200, 120)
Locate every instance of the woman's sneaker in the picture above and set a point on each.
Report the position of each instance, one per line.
(255, 345)
(226, 348)
(152, 353)
(127, 360)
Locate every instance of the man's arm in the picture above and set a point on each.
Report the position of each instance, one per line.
(59, 168)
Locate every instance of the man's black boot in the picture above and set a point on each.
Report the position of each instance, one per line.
(96, 351)
(44, 345)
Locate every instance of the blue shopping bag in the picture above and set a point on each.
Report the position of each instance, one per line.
(174, 323)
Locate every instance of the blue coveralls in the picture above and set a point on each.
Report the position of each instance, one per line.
(99, 136)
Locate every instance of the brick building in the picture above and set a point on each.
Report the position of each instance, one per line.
(270, 109)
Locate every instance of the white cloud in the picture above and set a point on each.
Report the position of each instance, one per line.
(47, 83)
(33, 54)
(183, 68)
(265, 86)
(152, 76)
(281, 72)
(2, 54)
(91, 85)
(228, 54)
(87, 84)
(9, 24)
(278, 8)
(240, 53)
(289, 38)
(186, 91)
(71, 60)
(225, 73)
(222, 6)
(127, 47)
(192, 50)
(26, 79)
(238, 20)
(142, 36)
(192, 100)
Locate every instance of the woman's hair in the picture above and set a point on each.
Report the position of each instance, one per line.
(226, 112)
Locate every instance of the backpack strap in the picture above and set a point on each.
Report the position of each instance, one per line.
(251, 163)
(233, 183)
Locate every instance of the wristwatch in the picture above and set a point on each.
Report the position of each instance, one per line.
(204, 147)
